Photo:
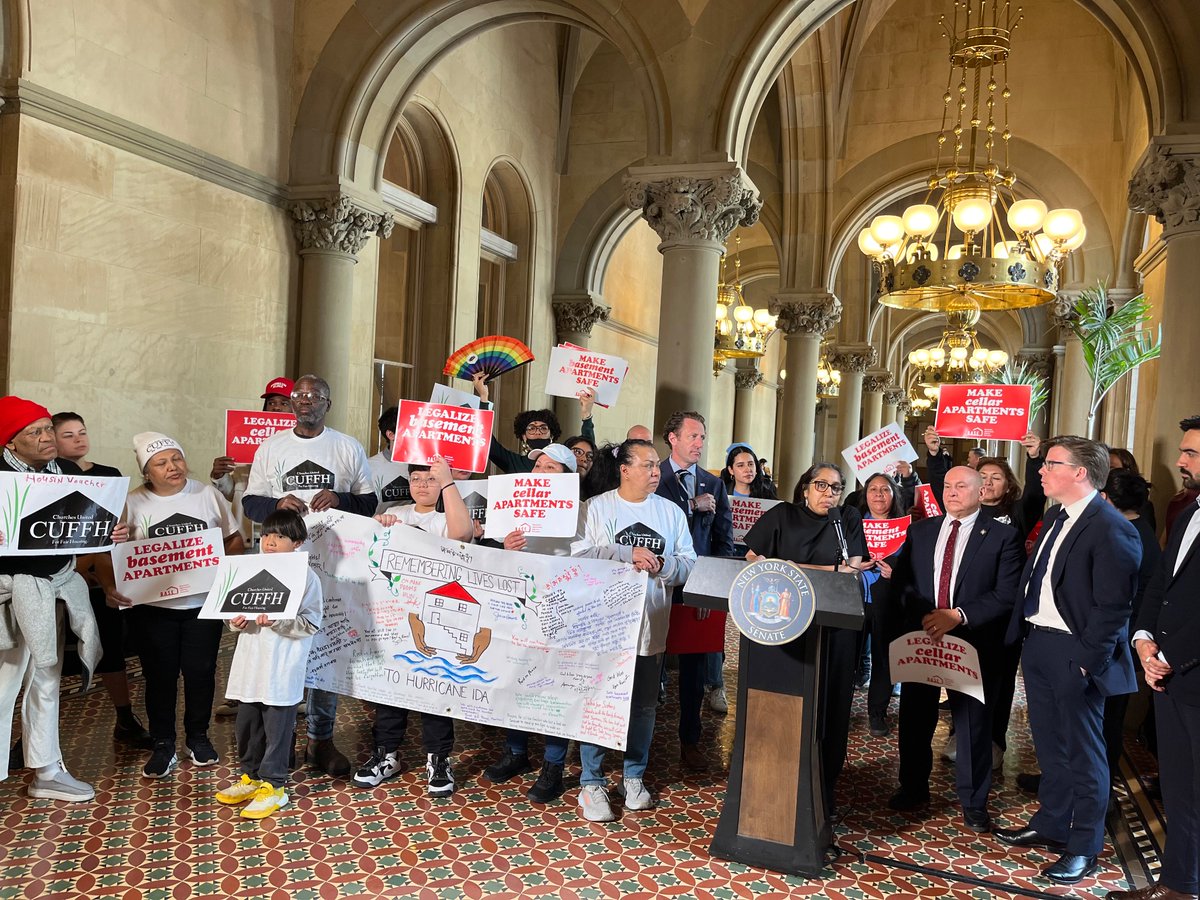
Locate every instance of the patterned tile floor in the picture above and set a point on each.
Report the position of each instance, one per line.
(170, 839)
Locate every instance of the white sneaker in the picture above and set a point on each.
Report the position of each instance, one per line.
(378, 769)
(267, 799)
(997, 758)
(635, 794)
(950, 748)
(61, 786)
(717, 701)
(594, 805)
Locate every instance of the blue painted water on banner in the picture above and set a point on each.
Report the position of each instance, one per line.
(444, 668)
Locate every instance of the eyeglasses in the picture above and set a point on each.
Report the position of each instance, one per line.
(537, 428)
(422, 482)
(583, 454)
(312, 396)
(1051, 463)
(824, 487)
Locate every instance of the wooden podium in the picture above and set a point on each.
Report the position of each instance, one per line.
(775, 811)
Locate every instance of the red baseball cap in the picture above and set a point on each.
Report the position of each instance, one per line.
(281, 386)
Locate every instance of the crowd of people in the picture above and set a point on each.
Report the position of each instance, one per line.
(1062, 578)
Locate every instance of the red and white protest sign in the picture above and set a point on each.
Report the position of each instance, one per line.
(879, 452)
(746, 512)
(245, 430)
(459, 435)
(572, 370)
(162, 568)
(537, 504)
(885, 536)
(950, 663)
(928, 502)
(995, 412)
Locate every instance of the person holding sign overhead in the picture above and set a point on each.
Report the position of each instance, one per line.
(533, 429)
(32, 586)
(956, 574)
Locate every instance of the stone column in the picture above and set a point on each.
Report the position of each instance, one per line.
(330, 232)
(891, 405)
(852, 360)
(803, 318)
(1076, 384)
(1040, 361)
(1166, 185)
(694, 209)
(574, 316)
(745, 378)
(903, 408)
(874, 384)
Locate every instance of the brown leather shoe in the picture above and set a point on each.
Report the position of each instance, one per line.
(692, 757)
(328, 758)
(1150, 892)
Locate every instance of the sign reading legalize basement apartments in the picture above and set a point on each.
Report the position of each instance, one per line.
(879, 452)
(264, 583)
(459, 435)
(172, 564)
(47, 514)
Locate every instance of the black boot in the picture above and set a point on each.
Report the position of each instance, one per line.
(549, 785)
(508, 766)
(130, 732)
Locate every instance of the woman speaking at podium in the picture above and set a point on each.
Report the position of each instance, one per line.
(815, 533)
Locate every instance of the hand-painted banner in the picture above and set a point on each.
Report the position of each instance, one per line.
(995, 412)
(537, 504)
(951, 663)
(927, 501)
(885, 536)
(270, 583)
(245, 430)
(537, 643)
(46, 514)
(571, 370)
(162, 568)
(459, 435)
(879, 452)
(746, 512)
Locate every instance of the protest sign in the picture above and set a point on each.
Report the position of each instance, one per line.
(885, 536)
(926, 500)
(518, 640)
(746, 512)
(270, 583)
(461, 436)
(951, 663)
(449, 396)
(46, 514)
(474, 492)
(538, 504)
(572, 370)
(245, 430)
(166, 567)
(995, 412)
(878, 452)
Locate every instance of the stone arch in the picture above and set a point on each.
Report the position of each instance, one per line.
(594, 233)
(367, 69)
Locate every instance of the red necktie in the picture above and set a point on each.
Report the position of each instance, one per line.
(943, 594)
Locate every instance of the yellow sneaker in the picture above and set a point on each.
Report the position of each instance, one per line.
(266, 800)
(239, 791)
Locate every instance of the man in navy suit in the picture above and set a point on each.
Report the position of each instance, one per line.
(1167, 640)
(956, 574)
(1077, 593)
(701, 495)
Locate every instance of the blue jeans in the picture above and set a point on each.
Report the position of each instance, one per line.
(322, 710)
(642, 709)
(556, 747)
(714, 670)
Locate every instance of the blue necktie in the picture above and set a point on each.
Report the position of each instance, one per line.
(1033, 592)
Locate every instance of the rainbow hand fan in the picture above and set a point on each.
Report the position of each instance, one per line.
(494, 355)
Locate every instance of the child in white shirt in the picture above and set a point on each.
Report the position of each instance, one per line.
(267, 678)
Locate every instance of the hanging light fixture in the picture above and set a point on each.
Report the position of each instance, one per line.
(829, 379)
(958, 358)
(955, 244)
(740, 332)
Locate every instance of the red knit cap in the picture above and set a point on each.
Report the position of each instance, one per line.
(16, 414)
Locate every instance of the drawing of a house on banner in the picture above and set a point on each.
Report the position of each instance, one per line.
(451, 618)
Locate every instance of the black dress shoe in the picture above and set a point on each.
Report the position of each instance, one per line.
(905, 800)
(1070, 868)
(1026, 837)
(977, 820)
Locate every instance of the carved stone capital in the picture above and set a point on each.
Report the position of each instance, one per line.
(747, 379)
(1062, 310)
(894, 397)
(336, 225)
(877, 382)
(806, 313)
(904, 407)
(1166, 185)
(1039, 360)
(577, 314)
(855, 359)
(693, 204)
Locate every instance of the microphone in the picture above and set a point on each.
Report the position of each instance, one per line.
(835, 516)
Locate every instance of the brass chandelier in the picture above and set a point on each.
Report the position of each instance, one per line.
(955, 245)
(740, 331)
(958, 358)
(829, 379)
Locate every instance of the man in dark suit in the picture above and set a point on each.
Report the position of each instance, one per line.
(956, 573)
(1077, 591)
(1167, 641)
(701, 495)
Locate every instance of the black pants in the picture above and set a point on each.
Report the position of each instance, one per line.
(691, 695)
(878, 631)
(172, 642)
(973, 731)
(111, 625)
(437, 732)
(1179, 769)
(1000, 661)
(265, 737)
(837, 674)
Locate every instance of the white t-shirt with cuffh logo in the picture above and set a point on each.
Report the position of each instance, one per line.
(303, 467)
(196, 507)
(390, 480)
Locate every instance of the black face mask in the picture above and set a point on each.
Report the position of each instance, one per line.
(539, 443)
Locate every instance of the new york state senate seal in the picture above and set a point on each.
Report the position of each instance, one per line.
(772, 602)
